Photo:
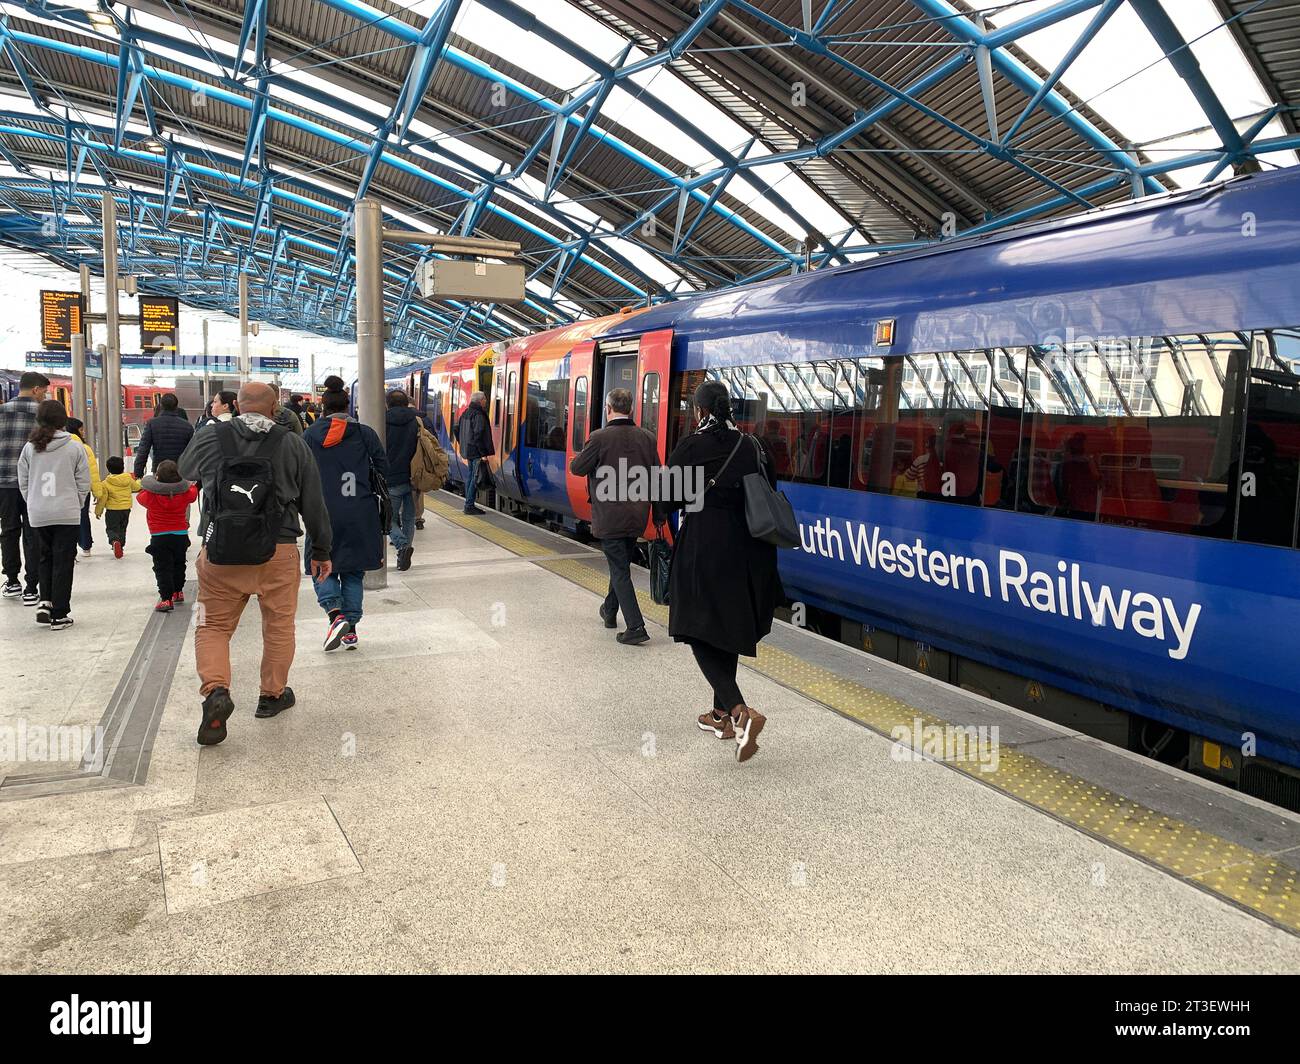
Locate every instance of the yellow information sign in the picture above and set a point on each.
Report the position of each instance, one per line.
(160, 324)
(60, 319)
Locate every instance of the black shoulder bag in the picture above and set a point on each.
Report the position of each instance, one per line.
(768, 513)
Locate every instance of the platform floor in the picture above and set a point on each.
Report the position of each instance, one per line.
(491, 783)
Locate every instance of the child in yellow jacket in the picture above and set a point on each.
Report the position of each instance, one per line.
(119, 486)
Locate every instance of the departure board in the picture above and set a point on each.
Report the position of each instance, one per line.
(160, 324)
(60, 319)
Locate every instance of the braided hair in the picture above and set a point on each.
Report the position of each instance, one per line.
(713, 400)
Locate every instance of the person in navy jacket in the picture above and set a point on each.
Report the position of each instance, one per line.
(345, 452)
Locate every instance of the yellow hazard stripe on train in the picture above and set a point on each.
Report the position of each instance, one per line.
(1246, 877)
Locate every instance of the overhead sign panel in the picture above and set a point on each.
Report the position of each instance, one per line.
(60, 319)
(160, 324)
(478, 282)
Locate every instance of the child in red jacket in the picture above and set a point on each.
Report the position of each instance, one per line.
(166, 499)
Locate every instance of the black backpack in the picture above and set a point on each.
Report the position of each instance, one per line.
(244, 513)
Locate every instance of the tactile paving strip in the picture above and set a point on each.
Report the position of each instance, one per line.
(1235, 873)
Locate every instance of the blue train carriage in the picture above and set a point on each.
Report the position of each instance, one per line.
(1056, 464)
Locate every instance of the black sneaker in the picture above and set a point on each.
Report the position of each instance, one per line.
(473, 511)
(419, 524)
(12, 589)
(633, 637)
(31, 598)
(60, 623)
(45, 613)
(610, 619)
(404, 558)
(217, 708)
(269, 707)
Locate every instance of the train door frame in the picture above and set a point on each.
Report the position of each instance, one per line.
(508, 480)
(612, 354)
(582, 367)
(654, 357)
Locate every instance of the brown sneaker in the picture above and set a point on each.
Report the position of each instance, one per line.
(720, 726)
(748, 725)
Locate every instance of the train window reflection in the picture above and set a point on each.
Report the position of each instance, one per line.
(579, 413)
(650, 403)
(546, 416)
(925, 436)
(1137, 432)
(1270, 452)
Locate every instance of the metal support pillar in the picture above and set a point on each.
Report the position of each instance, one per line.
(369, 228)
(94, 393)
(245, 366)
(112, 370)
(79, 405)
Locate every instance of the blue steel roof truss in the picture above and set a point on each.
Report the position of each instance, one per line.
(268, 219)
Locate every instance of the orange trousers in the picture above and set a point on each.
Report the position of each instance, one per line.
(224, 591)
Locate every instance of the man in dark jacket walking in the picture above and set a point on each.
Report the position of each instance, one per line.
(402, 429)
(618, 463)
(165, 436)
(474, 435)
(17, 419)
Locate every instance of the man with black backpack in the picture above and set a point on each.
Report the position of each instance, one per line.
(258, 479)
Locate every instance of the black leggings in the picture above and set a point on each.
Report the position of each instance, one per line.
(719, 668)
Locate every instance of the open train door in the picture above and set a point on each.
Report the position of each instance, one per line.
(650, 401)
(506, 424)
(581, 363)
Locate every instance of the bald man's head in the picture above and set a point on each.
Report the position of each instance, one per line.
(257, 398)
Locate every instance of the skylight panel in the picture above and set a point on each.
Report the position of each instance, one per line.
(1124, 77)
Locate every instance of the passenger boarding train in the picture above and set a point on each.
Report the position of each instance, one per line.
(1056, 464)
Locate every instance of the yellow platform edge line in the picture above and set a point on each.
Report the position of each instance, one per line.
(1245, 877)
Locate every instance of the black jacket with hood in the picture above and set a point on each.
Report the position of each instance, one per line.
(402, 428)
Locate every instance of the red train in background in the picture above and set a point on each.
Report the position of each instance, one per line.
(143, 397)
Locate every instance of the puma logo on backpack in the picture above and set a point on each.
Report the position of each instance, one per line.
(245, 514)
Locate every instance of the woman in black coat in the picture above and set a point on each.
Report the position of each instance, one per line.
(345, 451)
(723, 584)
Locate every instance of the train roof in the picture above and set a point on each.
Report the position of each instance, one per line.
(1239, 238)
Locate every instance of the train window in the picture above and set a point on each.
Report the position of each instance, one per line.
(681, 416)
(546, 419)
(508, 433)
(532, 412)
(435, 410)
(579, 413)
(1269, 506)
(455, 403)
(1141, 432)
(923, 435)
(799, 403)
(650, 403)
(555, 426)
(847, 387)
(1004, 462)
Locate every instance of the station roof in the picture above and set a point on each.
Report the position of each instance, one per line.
(638, 152)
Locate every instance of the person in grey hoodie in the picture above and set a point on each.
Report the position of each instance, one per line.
(54, 479)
